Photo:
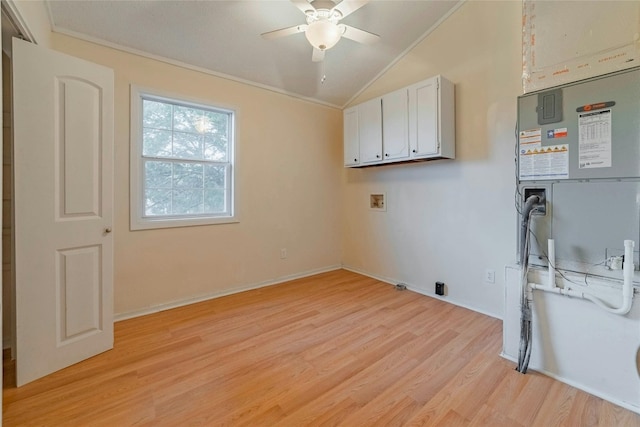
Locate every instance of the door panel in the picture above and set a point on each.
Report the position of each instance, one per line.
(395, 125)
(370, 129)
(351, 137)
(423, 106)
(79, 147)
(63, 133)
(79, 280)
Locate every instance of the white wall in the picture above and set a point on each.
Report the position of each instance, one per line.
(288, 178)
(577, 342)
(448, 220)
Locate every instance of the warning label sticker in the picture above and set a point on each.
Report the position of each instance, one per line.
(551, 162)
(557, 133)
(530, 138)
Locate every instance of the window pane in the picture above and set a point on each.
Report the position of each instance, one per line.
(216, 147)
(219, 122)
(214, 176)
(187, 145)
(188, 119)
(156, 115)
(187, 175)
(217, 138)
(157, 202)
(157, 174)
(156, 143)
(214, 201)
(187, 201)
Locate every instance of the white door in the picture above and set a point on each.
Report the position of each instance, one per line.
(395, 125)
(63, 148)
(423, 118)
(351, 137)
(370, 128)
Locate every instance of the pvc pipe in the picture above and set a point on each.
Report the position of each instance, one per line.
(627, 286)
(627, 274)
(551, 250)
(560, 291)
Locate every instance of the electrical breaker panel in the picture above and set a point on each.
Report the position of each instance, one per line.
(579, 145)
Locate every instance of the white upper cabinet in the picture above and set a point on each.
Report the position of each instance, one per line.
(351, 137)
(370, 129)
(432, 119)
(414, 123)
(395, 126)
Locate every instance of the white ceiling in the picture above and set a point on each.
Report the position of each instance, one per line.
(223, 37)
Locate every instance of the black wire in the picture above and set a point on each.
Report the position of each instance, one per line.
(524, 352)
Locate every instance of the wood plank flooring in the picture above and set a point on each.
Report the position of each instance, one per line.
(332, 349)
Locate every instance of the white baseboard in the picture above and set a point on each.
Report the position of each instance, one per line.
(421, 291)
(180, 303)
(626, 405)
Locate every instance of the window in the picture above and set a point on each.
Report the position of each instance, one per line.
(181, 162)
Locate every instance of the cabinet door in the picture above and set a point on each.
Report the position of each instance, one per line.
(351, 137)
(395, 125)
(423, 119)
(370, 128)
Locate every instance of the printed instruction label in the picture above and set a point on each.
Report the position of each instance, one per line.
(594, 139)
(550, 162)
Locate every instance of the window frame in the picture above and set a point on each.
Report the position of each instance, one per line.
(138, 220)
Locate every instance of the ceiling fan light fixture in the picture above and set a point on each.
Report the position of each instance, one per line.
(323, 34)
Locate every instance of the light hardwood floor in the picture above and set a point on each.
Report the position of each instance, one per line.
(332, 349)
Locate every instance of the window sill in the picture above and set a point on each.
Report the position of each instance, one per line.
(150, 224)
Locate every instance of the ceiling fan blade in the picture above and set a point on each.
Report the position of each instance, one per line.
(318, 55)
(358, 35)
(346, 7)
(284, 32)
(303, 5)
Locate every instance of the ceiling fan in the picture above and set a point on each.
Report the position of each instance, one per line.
(322, 28)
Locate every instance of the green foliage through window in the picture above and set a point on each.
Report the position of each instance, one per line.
(186, 159)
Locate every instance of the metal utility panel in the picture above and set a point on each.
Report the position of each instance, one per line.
(579, 146)
(584, 130)
(589, 220)
(592, 219)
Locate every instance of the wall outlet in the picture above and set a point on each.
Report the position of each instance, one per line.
(377, 202)
(283, 253)
(490, 276)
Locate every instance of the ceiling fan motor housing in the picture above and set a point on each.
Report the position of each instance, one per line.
(324, 5)
(323, 29)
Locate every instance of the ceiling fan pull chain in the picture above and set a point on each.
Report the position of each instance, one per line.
(324, 76)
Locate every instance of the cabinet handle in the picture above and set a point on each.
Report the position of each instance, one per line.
(377, 156)
(355, 160)
(413, 151)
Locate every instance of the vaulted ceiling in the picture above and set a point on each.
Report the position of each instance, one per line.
(223, 38)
